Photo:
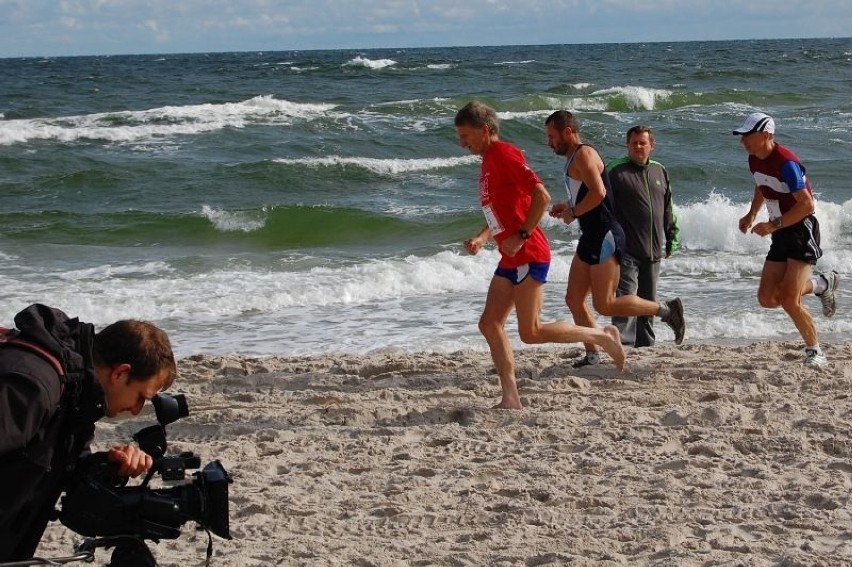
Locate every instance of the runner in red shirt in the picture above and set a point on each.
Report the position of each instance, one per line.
(514, 200)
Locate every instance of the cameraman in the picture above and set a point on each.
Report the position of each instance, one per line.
(57, 378)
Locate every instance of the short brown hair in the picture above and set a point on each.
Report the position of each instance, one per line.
(142, 345)
(640, 129)
(478, 115)
(562, 119)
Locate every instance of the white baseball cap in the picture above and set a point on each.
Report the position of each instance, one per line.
(756, 122)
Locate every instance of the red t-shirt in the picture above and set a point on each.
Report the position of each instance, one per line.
(506, 186)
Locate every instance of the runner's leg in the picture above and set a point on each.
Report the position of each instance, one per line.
(492, 325)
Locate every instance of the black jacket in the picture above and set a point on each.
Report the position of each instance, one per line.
(644, 208)
(46, 423)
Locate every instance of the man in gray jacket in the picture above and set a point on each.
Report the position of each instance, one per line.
(643, 207)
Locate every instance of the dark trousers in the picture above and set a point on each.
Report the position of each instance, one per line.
(637, 278)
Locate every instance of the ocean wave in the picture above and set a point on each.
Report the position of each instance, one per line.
(238, 288)
(392, 297)
(111, 272)
(629, 98)
(234, 221)
(383, 166)
(293, 227)
(612, 99)
(165, 124)
(712, 225)
(140, 125)
(636, 98)
(370, 63)
(708, 226)
(414, 102)
(526, 114)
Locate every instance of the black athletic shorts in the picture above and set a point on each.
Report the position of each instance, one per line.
(798, 242)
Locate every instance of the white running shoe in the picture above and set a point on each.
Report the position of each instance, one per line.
(829, 296)
(814, 359)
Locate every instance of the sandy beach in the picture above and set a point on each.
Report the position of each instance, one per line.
(694, 456)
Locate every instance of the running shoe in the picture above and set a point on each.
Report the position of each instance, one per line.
(587, 361)
(814, 359)
(829, 296)
(675, 319)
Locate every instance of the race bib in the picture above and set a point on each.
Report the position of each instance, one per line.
(773, 208)
(492, 220)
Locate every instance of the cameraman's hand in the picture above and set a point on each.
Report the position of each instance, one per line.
(132, 460)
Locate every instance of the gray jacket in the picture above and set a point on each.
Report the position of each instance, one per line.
(644, 208)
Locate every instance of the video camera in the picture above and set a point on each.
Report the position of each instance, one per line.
(100, 505)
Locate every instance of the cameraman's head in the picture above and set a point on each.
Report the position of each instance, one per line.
(133, 362)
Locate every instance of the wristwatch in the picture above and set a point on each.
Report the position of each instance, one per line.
(776, 222)
(525, 235)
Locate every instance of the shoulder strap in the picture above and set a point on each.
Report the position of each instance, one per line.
(11, 337)
(572, 156)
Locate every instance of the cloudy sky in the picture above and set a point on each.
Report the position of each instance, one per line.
(101, 27)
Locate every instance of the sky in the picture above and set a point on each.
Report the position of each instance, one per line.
(112, 27)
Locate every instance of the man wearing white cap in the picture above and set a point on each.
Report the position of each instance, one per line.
(782, 186)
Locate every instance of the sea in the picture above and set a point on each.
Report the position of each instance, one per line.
(315, 202)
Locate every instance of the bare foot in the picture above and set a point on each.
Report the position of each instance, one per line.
(613, 346)
(509, 403)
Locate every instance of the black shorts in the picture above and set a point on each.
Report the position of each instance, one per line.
(798, 242)
(597, 248)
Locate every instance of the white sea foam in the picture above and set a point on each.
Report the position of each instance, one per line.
(370, 63)
(440, 66)
(412, 303)
(523, 115)
(229, 291)
(524, 62)
(383, 166)
(121, 271)
(579, 103)
(234, 221)
(713, 225)
(142, 125)
(640, 98)
(411, 101)
(420, 211)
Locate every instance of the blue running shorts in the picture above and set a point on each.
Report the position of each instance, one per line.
(536, 270)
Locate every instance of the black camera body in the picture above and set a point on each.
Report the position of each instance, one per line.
(100, 505)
